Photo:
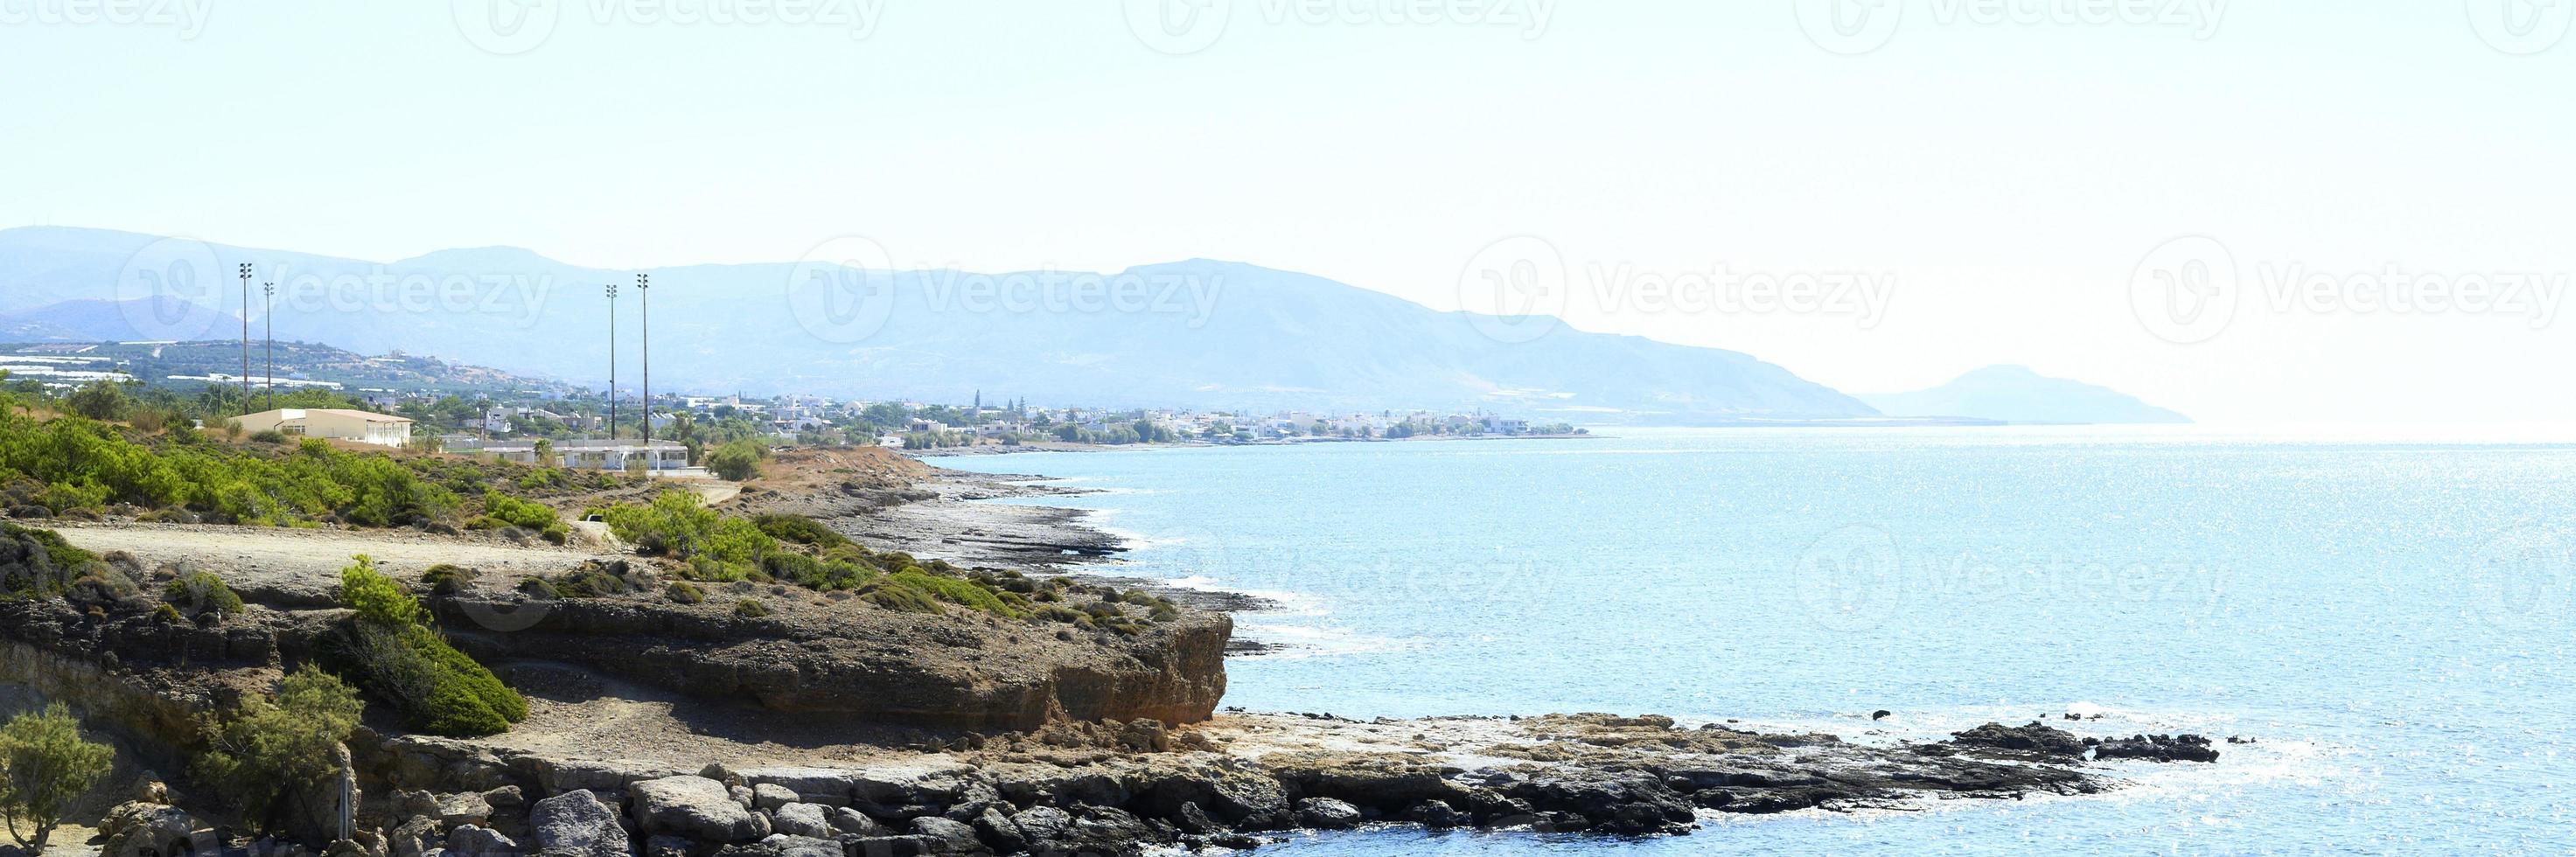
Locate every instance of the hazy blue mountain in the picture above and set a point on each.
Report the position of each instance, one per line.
(148, 318)
(2016, 394)
(1197, 333)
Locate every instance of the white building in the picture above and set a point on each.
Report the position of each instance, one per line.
(335, 423)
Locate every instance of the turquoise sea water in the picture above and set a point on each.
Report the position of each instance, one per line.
(2389, 616)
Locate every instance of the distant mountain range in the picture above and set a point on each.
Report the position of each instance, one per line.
(2017, 395)
(1198, 333)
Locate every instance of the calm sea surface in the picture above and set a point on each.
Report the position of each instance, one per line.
(2388, 615)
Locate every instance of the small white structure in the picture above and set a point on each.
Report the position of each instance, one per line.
(334, 423)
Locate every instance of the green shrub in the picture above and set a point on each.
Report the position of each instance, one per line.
(738, 460)
(202, 592)
(438, 689)
(539, 588)
(85, 464)
(684, 592)
(749, 609)
(273, 748)
(447, 579)
(268, 436)
(676, 525)
(903, 597)
(502, 511)
(800, 530)
(44, 767)
(56, 563)
(378, 598)
(959, 592)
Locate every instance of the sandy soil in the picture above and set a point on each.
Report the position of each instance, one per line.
(276, 556)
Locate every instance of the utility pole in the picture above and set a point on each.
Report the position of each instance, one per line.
(644, 284)
(268, 317)
(245, 340)
(612, 361)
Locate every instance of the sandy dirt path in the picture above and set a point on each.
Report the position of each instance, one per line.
(276, 556)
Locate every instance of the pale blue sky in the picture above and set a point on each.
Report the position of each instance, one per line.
(2009, 176)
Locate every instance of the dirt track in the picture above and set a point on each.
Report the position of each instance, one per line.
(278, 557)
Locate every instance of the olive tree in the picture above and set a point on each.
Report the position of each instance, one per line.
(44, 767)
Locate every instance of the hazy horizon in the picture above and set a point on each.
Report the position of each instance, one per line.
(1986, 187)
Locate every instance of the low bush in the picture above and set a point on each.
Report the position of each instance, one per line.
(501, 511)
(749, 609)
(684, 592)
(274, 748)
(200, 592)
(800, 530)
(401, 660)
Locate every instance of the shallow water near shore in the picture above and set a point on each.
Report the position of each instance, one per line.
(2387, 615)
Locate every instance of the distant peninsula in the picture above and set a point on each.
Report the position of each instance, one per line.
(2015, 394)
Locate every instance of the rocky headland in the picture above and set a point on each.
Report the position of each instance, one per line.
(820, 726)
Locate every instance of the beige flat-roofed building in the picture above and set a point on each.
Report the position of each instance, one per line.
(334, 423)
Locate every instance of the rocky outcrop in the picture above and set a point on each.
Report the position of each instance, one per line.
(964, 672)
(693, 807)
(577, 821)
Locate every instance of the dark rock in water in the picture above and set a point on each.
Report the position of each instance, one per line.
(1880, 714)
(2159, 748)
(1437, 815)
(1323, 813)
(2038, 739)
(1191, 819)
(1628, 805)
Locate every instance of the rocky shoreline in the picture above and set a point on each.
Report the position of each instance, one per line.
(824, 728)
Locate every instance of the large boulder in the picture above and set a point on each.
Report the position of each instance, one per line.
(693, 807)
(771, 796)
(146, 829)
(577, 821)
(803, 819)
(954, 837)
(476, 841)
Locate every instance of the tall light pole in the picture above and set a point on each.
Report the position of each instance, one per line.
(245, 340)
(612, 361)
(644, 284)
(268, 317)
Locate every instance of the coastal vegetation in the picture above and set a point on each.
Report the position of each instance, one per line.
(271, 750)
(398, 657)
(45, 765)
